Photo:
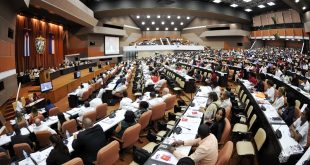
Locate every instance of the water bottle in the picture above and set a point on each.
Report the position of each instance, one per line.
(26, 157)
(67, 134)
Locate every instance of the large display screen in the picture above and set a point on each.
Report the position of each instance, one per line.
(111, 45)
(46, 86)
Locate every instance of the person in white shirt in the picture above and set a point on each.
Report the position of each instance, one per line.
(154, 100)
(126, 101)
(263, 69)
(270, 90)
(160, 83)
(86, 108)
(299, 129)
(19, 105)
(42, 127)
(225, 100)
(215, 88)
(80, 90)
(165, 93)
(279, 101)
(278, 72)
(121, 87)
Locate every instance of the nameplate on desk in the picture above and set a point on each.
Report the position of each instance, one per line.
(108, 121)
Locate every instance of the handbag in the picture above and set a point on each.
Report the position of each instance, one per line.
(140, 155)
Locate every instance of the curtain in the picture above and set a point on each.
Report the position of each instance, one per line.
(37, 28)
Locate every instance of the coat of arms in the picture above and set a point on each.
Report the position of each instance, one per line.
(40, 44)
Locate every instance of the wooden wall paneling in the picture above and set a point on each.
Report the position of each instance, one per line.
(258, 33)
(281, 32)
(273, 32)
(295, 16)
(269, 18)
(294, 44)
(265, 33)
(257, 21)
(298, 32)
(264, 19)
(287, 16)
(289, 32)
(279, 17)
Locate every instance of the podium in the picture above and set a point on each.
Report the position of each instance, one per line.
(44, 76)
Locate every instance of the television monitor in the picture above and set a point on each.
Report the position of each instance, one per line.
(91, 69)
(77, 74)
(45, 87)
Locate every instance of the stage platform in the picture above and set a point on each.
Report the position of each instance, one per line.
(66, 83)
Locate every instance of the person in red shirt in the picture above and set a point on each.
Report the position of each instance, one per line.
(253, 79)
(154, 77)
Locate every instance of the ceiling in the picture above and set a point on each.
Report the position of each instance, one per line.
(161, 22)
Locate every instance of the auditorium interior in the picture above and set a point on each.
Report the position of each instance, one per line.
(154, 82)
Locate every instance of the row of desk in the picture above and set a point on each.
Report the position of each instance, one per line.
(189, 122)
(275, 150)
(189, 82)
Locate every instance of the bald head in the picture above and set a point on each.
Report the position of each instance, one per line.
(37, 121)
(165, 91)
(87, 123)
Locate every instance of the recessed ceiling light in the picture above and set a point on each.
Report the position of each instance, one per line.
(248, 10)
(296, 1)
(166, 28)
(234, 5)
(158, 16)
(157, 28)
(175, 29)
(271, 3)
(172, 23)
(162, 22)
(261, 6)
(217, 1)
(148, 16)
(138, 16)
(181, 23)
(179, 17)
(188, 17)
(143, 23)
(304, 8)
(247, 0)
(153, 23)
(168, 16)
(147, 28)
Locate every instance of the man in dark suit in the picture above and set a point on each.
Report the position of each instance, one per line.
(88, 142)
(19, 138)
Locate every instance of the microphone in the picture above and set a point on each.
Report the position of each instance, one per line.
(278, 133)
(184, 127)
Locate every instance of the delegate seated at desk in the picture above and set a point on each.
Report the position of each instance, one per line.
(87, 143)
(19, 138)
(206, 152)
(42, 127)
(60, 152)
(299, 129)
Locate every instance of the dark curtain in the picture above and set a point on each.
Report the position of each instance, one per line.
(37, 28)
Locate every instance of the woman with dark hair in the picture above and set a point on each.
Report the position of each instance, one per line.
(59, 154)
(218, 124)
(287, 113)
(61, 120)
(143, 107)
(127, 122)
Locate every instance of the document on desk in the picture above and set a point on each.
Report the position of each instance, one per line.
(165, 156)
(303, 107)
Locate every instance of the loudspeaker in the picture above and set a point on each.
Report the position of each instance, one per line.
(10, 33)
(1, 85)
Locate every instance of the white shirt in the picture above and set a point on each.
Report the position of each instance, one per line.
(217, 90)
(84, 110)
(43, 127)
(159, 84)
(19, 106)
(155, 101)
(278, 103)
(263, 69)
(278, 73)
(226, 103)
(95, 102)
(101, 91)
(120, 89)
(164, 97)
(302, 130)
(270, 93)
(125, 102)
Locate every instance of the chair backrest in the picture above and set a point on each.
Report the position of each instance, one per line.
(158, 111)
(225, 153)
(14, 104)
(92, 115)
(53, 111)
(30, 96)
(43, 138)
(243, 98)
(5, 158)
(145, 119)
(75, 161)
(308, 137)
(297, 103)
(170, 101)
(237, 89)
(19, 148)
(108, 154)
(260, 138)
(101, 110)
(85, 95)
(70, 126)
(226, 131)
(131, 135)
(253, 118)
(248, 113)
(297, 113)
